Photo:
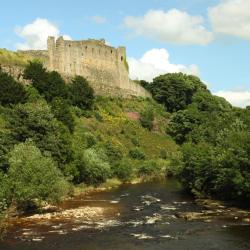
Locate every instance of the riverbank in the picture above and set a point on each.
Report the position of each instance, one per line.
(149, 215)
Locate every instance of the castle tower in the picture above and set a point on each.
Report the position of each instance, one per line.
(51, 52)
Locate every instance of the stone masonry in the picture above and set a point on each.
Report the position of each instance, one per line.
(105, 67)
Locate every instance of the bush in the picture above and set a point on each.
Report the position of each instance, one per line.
(34, 177)
(11, 91)
(93, 169)
(124, 170)
(90, 139)
(81, 93)
(61, 111)
(147, 119)
(137, 153)
(149, 168)
(113, 152)
(135, 141)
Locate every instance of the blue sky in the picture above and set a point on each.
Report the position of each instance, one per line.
(207, 38)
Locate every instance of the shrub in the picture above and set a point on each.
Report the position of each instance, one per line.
(113, 152)
(61, 111)
(137, 153)
(81, 93)
(149, 168)
(90, 139)
(124, 170)
(147, 119)
(11, 91)
(135, 141)
(93, 169)
(163, 154)
(34, 177)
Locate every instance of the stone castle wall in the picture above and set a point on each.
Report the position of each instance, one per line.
(105, 67)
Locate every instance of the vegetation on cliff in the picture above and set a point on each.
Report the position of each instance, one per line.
(214, 137)
(56, 134)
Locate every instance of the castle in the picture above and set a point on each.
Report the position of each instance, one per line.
(105, 67)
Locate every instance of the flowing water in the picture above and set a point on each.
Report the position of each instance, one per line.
(142, 216)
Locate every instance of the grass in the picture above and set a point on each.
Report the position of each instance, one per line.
(13, 58)
(117, 128)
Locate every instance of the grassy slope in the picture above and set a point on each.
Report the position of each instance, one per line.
(13, 58)
(116, 127)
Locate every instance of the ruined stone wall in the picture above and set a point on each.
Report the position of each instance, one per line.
(102, 65)
(105, 67)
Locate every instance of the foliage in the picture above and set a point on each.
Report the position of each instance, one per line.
(175, 90)
(13, 58)
(113, 152)
(149, 168)
(92, 168)
(81, 93)
(34, 177)
(11, 91)
(137, 153)
(124, 170)
(147, 119)
(36, 121)
(62, 112)
(49, 84)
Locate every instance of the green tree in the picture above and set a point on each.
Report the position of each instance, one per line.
(175, 90)
(61, 111)
(49, 84)
(11, 91)
(34, 177)
(36, 121)
(81, 93)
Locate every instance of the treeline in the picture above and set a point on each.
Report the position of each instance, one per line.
(214, 137)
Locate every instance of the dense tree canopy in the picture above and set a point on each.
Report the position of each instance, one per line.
(175, 90)
(11, 91)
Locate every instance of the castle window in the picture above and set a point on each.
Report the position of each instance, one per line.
(111, 51)
(86, 47)
(121, 58)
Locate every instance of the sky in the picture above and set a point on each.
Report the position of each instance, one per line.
(207, 38)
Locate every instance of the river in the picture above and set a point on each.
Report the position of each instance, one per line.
(134, 217)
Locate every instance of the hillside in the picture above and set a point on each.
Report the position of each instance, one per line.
(11, 58)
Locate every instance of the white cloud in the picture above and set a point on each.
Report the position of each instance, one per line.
(156, 62)
(236, 98)
(99, 19)
(231, 17)
(173, 26)
(36, 33)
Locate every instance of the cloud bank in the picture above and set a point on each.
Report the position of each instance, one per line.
(36, 33)
(173, 26)
(155, 62)
(236, 98)
(231, 17)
